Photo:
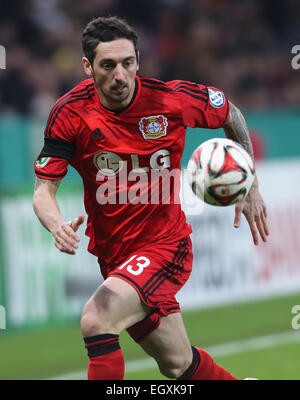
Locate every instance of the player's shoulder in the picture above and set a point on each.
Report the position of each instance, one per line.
(179, 84)
(154, 84)
(82, 86)
(195, 90)
(82, 92)
(175, 87)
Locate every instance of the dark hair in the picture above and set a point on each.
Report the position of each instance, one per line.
(106, 29)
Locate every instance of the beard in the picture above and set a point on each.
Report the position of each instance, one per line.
(114, 96)
(119, 96)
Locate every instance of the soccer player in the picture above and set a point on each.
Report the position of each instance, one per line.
(113, 128)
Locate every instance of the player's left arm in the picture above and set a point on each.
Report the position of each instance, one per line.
(253, 206)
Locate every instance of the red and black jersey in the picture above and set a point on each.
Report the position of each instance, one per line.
(123, 158)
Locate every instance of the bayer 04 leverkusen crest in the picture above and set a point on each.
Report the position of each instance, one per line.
(153, 127)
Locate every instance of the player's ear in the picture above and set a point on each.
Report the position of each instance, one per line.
(88, 69)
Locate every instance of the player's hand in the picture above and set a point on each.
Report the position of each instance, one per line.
(254, 209)
(66, 238)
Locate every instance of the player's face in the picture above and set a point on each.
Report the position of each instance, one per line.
(114, 70)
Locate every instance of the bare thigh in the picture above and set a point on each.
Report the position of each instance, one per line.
(169, 345)
(113, 307)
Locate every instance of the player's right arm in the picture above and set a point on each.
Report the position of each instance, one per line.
(47, 210)
(50, 167)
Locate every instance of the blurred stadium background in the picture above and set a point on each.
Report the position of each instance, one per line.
(238, 303)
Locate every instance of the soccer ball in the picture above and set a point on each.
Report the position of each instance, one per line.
(221, 172)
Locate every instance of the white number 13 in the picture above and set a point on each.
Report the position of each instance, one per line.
(137, 267)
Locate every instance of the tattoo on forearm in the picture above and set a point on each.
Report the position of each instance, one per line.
(237, 129)
(39, 182)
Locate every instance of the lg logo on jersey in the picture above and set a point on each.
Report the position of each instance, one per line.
(131, 181)
(110, 164)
